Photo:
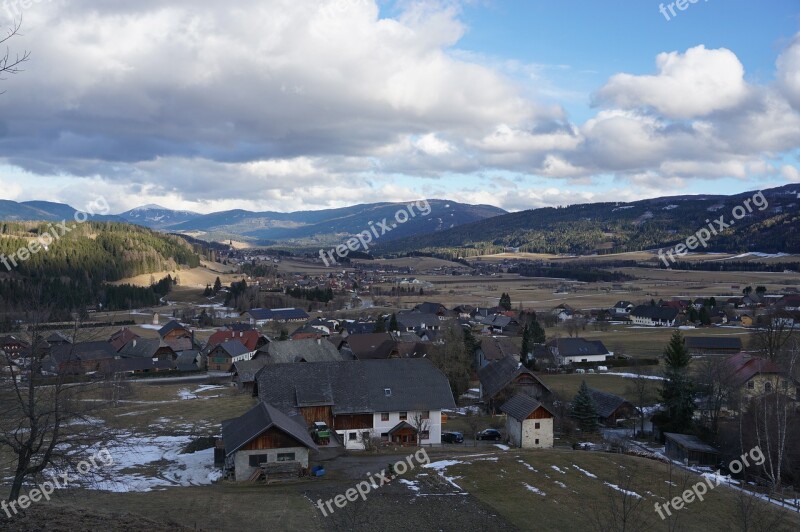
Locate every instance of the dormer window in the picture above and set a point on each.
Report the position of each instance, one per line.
(387, 392)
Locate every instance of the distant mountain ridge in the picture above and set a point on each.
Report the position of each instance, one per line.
(302, 228)
(621, 227)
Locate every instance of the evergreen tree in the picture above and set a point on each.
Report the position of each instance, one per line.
(380, 325)
(704, 317)
(677, 392)
(393, 326)
(505, 301)
(537, 333)
(217, 285)
(693, 317)
(526, 348)
(583, 410)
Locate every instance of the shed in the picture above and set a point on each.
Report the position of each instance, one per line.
(690, 449)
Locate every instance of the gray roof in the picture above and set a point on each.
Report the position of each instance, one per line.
(496, 375)
(655, 313)
(169, 327)
(521, 405)
(247, 369)
(233, 348)
(305, 350)
(237, 432)
(713, 342)
(142, 348)
(605, 404)
(96, 350)
(690, 442)
(573, 347)
(414, 320)
(357, 387)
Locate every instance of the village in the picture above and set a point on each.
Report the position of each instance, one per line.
(313, 395)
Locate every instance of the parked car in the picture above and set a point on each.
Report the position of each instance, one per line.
(490, 434)
(452, 437)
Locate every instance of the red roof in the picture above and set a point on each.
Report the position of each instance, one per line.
(745, 366)
(120, 338)
(248, 338)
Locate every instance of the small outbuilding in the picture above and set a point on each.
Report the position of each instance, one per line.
(529, 424)
(690, 450)
(264, 439)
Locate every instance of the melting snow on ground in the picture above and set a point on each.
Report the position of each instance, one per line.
(537, 491)
(413, 485)
(590, 475)
(440, 468)
(635, 376)
(626, 492)
(556, 468)
(530, 467)
(561, 484)
(501, 446)
(161, 454)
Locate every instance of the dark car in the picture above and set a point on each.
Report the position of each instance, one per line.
(490, 434)
(452, 437)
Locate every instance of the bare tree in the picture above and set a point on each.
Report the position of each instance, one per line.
(622, 508)
(422, 423)
(473, 422)
(754, 514)
(717, 381)
(11, 64)
(641, 391)
(46, 420)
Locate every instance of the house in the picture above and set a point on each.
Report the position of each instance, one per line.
(500, 324)
(261, 316)
(223, 356)
(417, 321)
(713, 345)
(251, 339)
(190, 360)
(368, 346)
(13, 346)
(362, 399)
(150, 348)
(308, 331)
(492, 349)
(57, 338)
(653, 316)
(611, 408)
(308, 350)
(529, 424)
(621, 309)
(120, 339)
(436, 309)
(358, 327)
(244, 372)
(571, 350)
(78, 358)
(265, 436)
(690, 450)
(174, 330)
(755, 376)
(505, 377)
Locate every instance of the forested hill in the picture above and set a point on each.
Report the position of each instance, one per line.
(620, 227)
(72, 271)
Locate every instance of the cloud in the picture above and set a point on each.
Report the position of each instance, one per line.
(693, 84)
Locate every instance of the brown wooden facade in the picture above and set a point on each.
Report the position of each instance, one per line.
(271, 439)
(317, 413)
(353, 422)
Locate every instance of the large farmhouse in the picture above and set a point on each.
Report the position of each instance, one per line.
(362, 400)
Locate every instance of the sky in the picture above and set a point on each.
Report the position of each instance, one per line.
(288, 105)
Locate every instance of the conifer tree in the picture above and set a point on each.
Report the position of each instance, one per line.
(678, 392)
(583, 410)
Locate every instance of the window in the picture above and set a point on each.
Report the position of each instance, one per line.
(365, 436)
(751, 385)
(352, 436)
(767, 386)
(384, 416)
(537, 426)
(385, 436)
(285, 457)
(387, 392)
(257, 459)
(403, 416)
(424, 435)
(537, 441)
(425, 414)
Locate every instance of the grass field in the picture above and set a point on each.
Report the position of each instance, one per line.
(566, 386)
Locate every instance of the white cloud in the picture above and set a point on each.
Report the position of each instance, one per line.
(693, 84)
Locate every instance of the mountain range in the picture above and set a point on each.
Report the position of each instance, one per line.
(771, 224)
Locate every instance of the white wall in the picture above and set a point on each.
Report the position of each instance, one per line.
(525, 434)
(434, 425)
(242, 459)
